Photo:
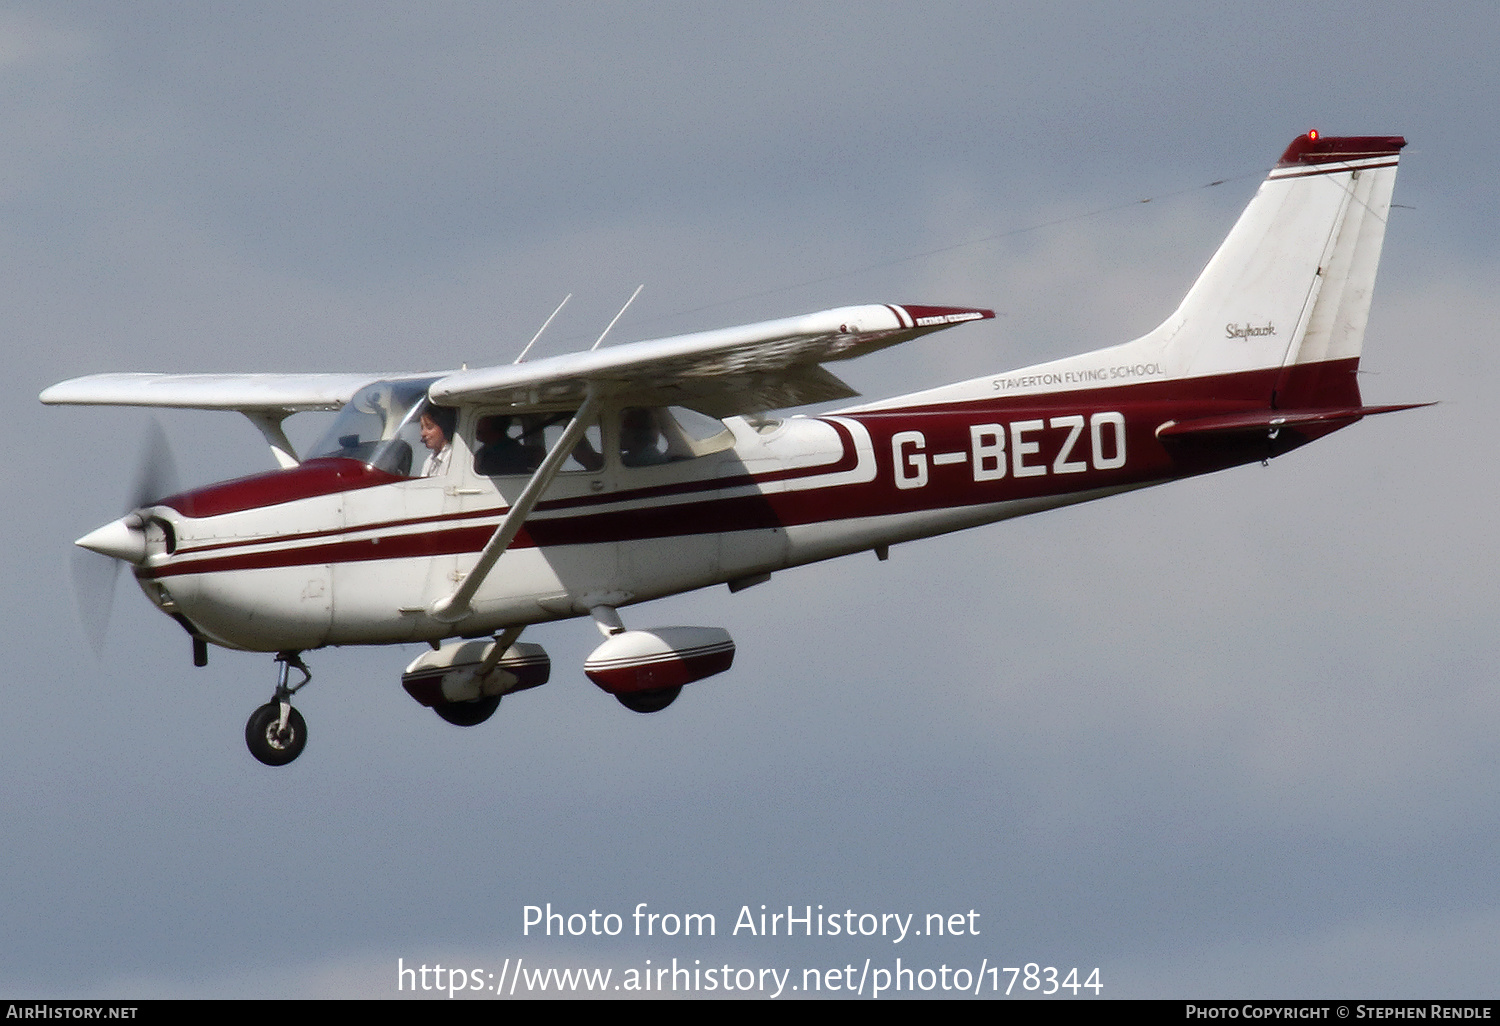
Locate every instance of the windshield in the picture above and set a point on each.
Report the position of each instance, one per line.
(379, 426)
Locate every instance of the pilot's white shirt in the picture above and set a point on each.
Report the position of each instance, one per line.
(437, 463)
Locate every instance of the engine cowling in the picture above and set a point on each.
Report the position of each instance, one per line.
(451, 674)
(659, 658)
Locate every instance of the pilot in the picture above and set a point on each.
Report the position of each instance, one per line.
(437, 432)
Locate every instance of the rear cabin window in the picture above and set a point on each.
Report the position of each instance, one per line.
(653, 436)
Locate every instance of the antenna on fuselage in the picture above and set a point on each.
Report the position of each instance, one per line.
(543, 327)
(637, 292)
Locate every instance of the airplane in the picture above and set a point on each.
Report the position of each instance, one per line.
(459, 508)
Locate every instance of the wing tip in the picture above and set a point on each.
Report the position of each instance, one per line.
(942, 316)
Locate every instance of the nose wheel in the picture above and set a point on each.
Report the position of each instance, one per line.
(276, 733)
(270, 741)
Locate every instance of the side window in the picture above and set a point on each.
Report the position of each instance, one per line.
(515, 444)
(651, 436)
(502, 446)
(587, 456)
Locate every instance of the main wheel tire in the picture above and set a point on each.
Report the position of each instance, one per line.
(468, 714)
(266, 744)
(649, 701)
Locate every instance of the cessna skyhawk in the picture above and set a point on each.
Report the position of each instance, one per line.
(458, 508)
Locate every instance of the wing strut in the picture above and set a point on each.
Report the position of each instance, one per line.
(454, 607)
(269, 423)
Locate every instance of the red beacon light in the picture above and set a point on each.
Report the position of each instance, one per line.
(1312, 135)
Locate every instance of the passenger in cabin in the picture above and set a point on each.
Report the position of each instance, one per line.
(641, 441)
(437, 433)
(586, 456)
(500, 453)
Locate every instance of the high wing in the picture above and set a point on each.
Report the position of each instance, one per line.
(766, 366)
(245, 393)
(267, 399)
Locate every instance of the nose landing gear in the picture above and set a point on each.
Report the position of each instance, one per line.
(276, 733)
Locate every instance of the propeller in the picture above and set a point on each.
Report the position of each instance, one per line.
(94, 574)
(156, 470)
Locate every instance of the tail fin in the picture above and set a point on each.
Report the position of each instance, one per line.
(1288, 292)
(1276, 319)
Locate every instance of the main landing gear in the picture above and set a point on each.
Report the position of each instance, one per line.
(276, 733)
(651, 701)
(468, 714)
(645, 670)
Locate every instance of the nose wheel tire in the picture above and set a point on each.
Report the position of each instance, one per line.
(649, 701)
(268, 744)
(468, 714)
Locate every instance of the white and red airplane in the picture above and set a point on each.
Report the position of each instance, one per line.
(577, 485)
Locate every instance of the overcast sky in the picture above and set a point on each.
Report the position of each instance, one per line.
(1230, 737)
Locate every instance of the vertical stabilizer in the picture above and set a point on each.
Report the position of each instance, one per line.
(1276, 319)
(1289, 290)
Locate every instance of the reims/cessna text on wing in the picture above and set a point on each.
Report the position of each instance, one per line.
(457, 508)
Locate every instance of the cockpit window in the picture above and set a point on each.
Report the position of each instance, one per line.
(380, 426)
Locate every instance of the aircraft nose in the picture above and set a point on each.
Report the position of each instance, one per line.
(119, 539)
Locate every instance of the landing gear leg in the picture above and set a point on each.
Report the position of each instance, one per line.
(276, 733)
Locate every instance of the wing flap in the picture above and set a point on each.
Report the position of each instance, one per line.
(748, 392)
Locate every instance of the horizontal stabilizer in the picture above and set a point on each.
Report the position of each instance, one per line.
(1211, 443)
(1260, 422)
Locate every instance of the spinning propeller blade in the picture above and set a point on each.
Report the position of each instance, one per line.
(94, 594)
(156, 471)
(94, 575)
